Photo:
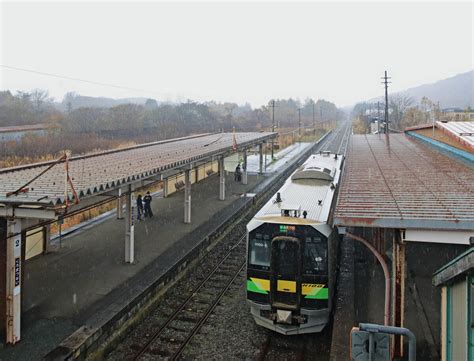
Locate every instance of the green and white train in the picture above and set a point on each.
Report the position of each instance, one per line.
(292, 248)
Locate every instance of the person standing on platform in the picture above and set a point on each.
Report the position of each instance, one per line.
(139, 207)
(237, 174)
(147, 201)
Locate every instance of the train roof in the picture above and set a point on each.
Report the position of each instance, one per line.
(309, 189)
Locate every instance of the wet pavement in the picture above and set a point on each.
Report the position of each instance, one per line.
(64, 290)
(61, 290)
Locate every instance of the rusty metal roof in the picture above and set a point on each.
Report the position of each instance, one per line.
(24, 128)
(398, 182)
(104, 171)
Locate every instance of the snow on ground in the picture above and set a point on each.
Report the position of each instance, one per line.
(281, 158)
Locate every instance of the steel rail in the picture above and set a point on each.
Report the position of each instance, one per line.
(173, 316)
(208, 312)
(345, 140)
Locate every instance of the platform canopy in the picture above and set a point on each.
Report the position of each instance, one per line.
(399, 182)
(102, 172)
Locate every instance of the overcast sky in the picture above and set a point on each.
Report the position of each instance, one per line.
(240, 52)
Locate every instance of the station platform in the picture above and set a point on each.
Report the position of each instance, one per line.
(65, 289)
(87, 281)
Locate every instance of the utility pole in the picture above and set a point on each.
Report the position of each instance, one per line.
(321, 113)
(386, 82)
(273, 122)
(378, 117)
(299, 123)
(314, 122)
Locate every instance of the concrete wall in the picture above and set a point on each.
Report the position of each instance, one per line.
(34, 243)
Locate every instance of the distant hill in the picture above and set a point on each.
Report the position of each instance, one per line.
(457, 91)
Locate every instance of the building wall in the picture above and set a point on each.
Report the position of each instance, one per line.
(34, 243)
(444, 319)
(201, 173)
(458, 116)
(456, 326)
(459, 334)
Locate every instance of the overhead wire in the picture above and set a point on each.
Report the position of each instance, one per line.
(79, 79)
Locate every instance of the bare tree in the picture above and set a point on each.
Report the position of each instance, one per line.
(39, 97)
(399, 103)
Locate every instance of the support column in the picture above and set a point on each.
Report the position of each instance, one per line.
(398, 286)
(187, 196)
(165, 188)
(120, 205)
(260, 164)
(221, 179)
(50, 246)
(244, 167)
(13, 280)
(129, 226)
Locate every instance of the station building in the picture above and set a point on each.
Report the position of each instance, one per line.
(414, 203)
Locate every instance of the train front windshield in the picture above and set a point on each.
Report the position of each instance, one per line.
(288, 264)
(260, 251)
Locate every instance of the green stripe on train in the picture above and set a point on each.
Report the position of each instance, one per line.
(253, 287)
(322, 294)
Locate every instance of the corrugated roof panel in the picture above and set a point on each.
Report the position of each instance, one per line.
(305, 194)
(463, 130)
(90, 174)
(398, 182)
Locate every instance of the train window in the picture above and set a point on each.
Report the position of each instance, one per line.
(260, 252)
(315, 257)
(287, 258)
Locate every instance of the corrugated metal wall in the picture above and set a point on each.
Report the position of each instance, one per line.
(459, 320)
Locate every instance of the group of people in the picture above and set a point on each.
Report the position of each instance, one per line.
(144, 206)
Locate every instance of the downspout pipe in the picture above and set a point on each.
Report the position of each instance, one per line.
(383, 263)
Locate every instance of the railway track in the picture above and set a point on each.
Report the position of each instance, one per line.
(186, 307)
(298, 347)
(338, 140)
(172, 336)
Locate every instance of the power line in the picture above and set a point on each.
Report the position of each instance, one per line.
(79, 79)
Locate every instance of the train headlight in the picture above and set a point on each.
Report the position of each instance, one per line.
(284, 316)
